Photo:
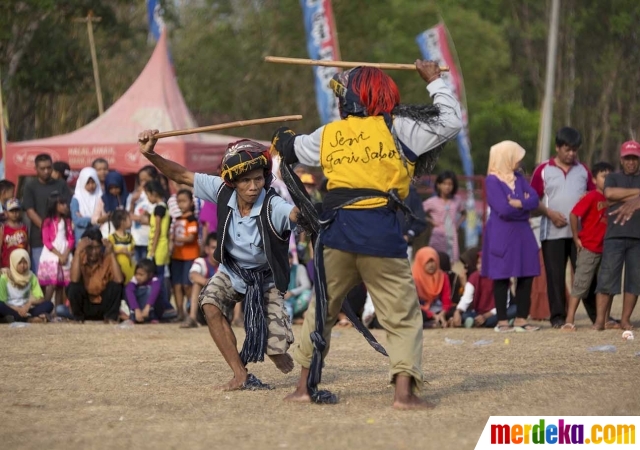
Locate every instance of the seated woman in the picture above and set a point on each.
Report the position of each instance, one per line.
(21, 298)
(477, 306)
(296, 300)
(142, 293)
(434, 289)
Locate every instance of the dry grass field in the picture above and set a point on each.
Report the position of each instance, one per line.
(69, 386)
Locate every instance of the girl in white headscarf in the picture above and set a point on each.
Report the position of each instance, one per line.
(85, 199)
(21, 296)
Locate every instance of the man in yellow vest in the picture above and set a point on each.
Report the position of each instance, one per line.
(369, 158)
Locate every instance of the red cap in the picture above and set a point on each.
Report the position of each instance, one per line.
(630, 148)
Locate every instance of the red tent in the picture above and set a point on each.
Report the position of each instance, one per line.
(153, 101)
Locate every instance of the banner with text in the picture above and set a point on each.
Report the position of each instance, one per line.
(434, 46)
(322, 43)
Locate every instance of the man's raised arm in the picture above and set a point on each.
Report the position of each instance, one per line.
(173, 170)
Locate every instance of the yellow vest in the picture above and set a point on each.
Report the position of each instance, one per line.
(360, 153)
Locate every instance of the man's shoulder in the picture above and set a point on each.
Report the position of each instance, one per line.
(541, 167)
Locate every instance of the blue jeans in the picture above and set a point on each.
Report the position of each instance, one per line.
(140, 252)
(64, 312)
(492, 321)
(35, 258)
(142, 297)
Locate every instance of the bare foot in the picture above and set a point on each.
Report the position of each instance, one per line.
(597, 327)
(235, 384)
(300, 395)
(412, 402)
(284, 362)
(626, 326)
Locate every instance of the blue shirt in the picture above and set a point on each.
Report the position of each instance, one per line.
(244, 243)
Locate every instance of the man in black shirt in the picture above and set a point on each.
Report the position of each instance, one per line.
(34, 201)
(622, 240)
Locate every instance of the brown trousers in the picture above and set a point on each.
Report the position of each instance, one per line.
(394, 296)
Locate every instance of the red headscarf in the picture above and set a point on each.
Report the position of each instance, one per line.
(429, 286)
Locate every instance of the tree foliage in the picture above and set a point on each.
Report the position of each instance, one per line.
(218, 49)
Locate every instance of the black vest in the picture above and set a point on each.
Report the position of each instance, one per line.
(276, 247)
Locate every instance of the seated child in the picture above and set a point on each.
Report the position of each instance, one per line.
(21, 297)
(123, 244)
(434, 290)
(477, 304)
(143, 293)
(454, 278)
(199, 274)
(296, 300)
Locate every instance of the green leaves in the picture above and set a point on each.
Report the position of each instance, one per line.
(218, 48)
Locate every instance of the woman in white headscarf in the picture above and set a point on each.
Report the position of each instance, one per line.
(85, 199)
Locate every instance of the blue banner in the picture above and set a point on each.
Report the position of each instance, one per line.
(322, 44)
(154, 16)
(435, 47)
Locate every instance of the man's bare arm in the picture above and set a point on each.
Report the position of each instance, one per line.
(574, 225)
(34, 217)
(195, 277)
(294, 215)
(173, 170)
(618, 194)
(75, 274)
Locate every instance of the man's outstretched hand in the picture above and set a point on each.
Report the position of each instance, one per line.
(624, 213)
(428, 70)
(146, 141)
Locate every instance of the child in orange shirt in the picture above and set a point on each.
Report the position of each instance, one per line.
(185, 249)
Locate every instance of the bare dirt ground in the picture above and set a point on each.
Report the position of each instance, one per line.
(72, 386)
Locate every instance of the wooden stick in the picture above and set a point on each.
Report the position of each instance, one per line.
(343, 64)
(224, 126)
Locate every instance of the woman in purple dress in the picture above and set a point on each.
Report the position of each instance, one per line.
(509, 246)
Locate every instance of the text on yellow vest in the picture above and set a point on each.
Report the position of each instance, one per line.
(360, 153)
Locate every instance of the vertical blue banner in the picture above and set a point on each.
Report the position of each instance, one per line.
(322, 44)
(434, 46)
(154, 16)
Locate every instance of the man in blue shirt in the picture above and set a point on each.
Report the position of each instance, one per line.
(254, 225)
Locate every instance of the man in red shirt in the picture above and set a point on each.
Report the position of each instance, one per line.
(591, 210)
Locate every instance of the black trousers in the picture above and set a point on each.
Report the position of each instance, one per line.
(556, 253)
(522, 299)
(83, 309)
